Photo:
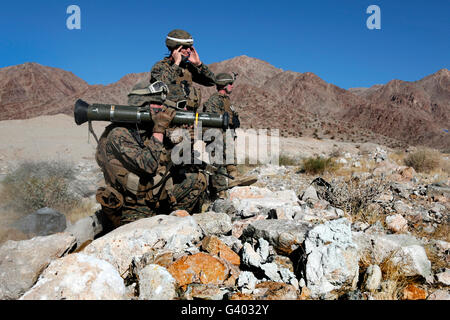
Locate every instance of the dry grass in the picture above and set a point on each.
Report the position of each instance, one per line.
(393, 281)
(34, 185)
(424, 160)
(397, 157)
(318, 165)
(288, 160)
(343, 171)
(369, 216)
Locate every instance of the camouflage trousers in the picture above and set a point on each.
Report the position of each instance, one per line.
(188, 193)
(218, 181)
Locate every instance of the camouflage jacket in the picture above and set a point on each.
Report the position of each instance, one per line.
(168, 72)
(121, 157)
(219, 103)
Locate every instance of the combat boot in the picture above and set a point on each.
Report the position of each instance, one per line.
(239, 181)
(222, 194)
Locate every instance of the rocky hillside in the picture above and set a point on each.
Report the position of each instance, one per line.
(398, 113)
(381, 233)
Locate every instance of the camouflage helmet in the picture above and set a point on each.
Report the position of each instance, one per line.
(223, 79)
(143, 93)
(177, 38)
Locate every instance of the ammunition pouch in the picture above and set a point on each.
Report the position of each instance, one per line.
(109, 198)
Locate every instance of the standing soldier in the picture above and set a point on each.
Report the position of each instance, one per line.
(183, 66)
(220, 103)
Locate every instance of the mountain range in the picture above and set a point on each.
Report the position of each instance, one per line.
(397, 114)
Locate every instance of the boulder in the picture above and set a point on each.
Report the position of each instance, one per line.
(214, 246)
(403, 250)
(444, 277)
(203, 292)
(225, 206)
(271, 271)
(310, 194)
(156, 283)
(332, 258)
(232, 242)
(397, 223)
(250, 257)
(213, 223)
(78, 277)
(21, 262)
(240, 225)
(134, 239)
(284, 235)
(438, 190)
(270, 290)
(86, 229)
(412, 292)
(199, 268)
(42, 222)
(372, 278)
(439, 295)
(250, 201)
(247, 281)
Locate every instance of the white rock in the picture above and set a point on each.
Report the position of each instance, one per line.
(213, 223)
(397, 223)
(271, 271)
(156, 283)
(21, 262)
(310, 194)
(134, 239)
(251, 201)
(247, 281)
(439, 295)
(85, 229)
(263, 249)
(444, 277)
(78, 277)
(406, 251)
(249, 256)
(373, 277)
(332, 260)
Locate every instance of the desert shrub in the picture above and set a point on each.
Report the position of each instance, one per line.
(34, 185)
(318, 165)
(355, 195)
(287, 160)
(423, 160)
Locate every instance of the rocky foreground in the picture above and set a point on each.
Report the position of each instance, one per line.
(290, 236)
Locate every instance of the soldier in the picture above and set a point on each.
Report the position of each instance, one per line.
(141, 180)
(220, 103)
(183, 66)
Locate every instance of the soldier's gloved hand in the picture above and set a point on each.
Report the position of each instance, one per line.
(236, 123)
(162, 119)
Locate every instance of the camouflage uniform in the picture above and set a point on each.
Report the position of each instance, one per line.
(133, 163)
(168, 72)
(220, 103)
(183, 75)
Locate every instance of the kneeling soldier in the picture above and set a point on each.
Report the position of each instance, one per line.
(141, 180)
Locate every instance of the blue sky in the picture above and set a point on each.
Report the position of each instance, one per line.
(326, 37)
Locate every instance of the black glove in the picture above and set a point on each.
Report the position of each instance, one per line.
(235, 122)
